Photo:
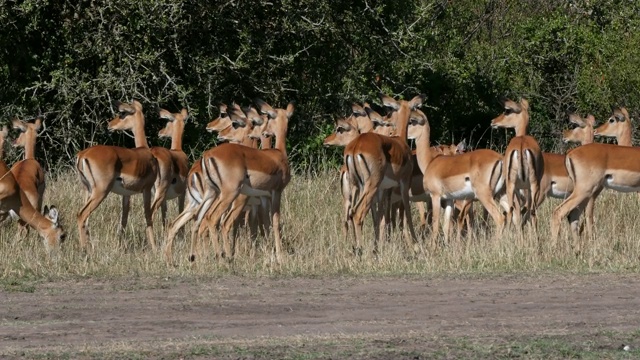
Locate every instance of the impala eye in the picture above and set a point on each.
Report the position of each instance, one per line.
(507, 111)
(611, 120)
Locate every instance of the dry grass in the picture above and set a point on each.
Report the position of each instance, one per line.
(312, 234)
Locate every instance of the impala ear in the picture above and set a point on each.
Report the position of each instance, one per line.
(19, 124)
(417, 117)
(265, 108)
(624, 112)
(524, 104)
(576, 119)
(416, 102)
(357, 110)
(166, 114)
(185, 114)
(389, 101)
(461, 147)
(512, 105)
(136, 105)
(38, 123)
(591, 120)
(222, 108)
(290, 108)
(4, 132)
(52, 214)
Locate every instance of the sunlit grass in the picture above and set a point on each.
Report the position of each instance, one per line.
(311, 211)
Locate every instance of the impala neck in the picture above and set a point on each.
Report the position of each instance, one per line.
(176, 142)
(30, 149)
(423, 148)
(139, 135)
(624, 139)
(32, 217)
(265, 142)
(402, 122)
(521, 128)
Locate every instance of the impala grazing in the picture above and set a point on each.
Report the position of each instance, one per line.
(103, 169)
(28, 172)
(523, 166)
(14, 202)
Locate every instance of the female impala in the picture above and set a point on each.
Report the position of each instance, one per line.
(523, 166)
(14, 201)
(592, 168)
(233, 169)
(103, 169)
(472, 175)
(377, 162)
(179, 161)
(28, 172)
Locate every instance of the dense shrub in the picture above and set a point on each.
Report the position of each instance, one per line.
(69, 59)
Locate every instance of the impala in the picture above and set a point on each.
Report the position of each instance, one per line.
(472, 175)
(233, 169)
(592, 168)
(15, 202)
(28, 172)
(375, 163)
(196, 190)
(618, 126)
(103, 169)
(179, 161)
(523, 166)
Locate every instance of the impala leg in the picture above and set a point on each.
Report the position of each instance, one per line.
(124, 215)
(198, 228)
(275, 210)
(435, 220)
(93, 201)
(163, 212)
(412, 241)
(486, 199)
(574, 200)
(448, 209)
(218, 209)
(148, 216)
(174, 227)
(232, 215)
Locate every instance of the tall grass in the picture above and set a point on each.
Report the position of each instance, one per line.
(311, 212)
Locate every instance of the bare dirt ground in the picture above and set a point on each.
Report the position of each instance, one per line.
(175, 316)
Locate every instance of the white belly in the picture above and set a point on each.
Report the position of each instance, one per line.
(120, 190)
(247, 190)
(610, 182)
(558, 193)
(464, 193)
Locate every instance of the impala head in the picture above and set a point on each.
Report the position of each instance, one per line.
(345, 131)
(239, 128)
(515, 115)
(383, 125)
(128, 116)
(401, 108)
(28, 132)
(175, 123)
(222, 121)
(418, 125)
(617, 125)
(278, 118)
(53, 235)
(583, 132)
(258, 123)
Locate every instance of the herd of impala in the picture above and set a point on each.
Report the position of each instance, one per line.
(242, 179)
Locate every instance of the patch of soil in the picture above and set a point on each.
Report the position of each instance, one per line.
(93, 312)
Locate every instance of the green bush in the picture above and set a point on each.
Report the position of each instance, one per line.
(68, 60)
